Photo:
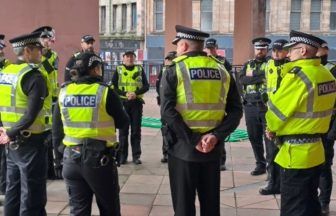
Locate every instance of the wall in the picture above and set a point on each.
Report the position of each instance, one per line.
(70, 18)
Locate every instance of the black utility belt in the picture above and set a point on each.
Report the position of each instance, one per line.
(301, 138)
(24, 137)
(93, 155)
(254, 103)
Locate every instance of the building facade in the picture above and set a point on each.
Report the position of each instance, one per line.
(117, 19)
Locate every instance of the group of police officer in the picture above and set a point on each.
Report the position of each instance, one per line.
(288, 102)
(288, 105)
(86, 113)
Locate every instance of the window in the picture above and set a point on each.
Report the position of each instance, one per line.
(267, 14)
(114, 18)
(295, 15)
(206, 15)
(134, 16)
(102, 19)
(333, 15)
(123, 16)
(315, 14)
(158, 12)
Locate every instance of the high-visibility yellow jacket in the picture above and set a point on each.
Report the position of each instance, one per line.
(129, 81)
(303, 104)
(4, 63)
(274, 74)
(14, 101)
(202, 88)
(49, 64)
(83, 111)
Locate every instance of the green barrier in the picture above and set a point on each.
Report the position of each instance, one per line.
(236, 136)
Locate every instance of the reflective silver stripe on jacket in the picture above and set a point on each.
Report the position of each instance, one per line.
(310, 103)
(13, 89)
(320, 114)
(31, 128)
(310, 90)
(276, 111)
(329, 66)
(190, 105)
(81, 140)
(202, 123)
(94, 120)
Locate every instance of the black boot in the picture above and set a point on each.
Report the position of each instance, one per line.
(259, 170)
(164, 159)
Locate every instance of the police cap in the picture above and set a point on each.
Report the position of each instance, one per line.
(46, 31)
(2, 42)
(187, 33)
(323, 43)
(211, 43)
(279, 44)
(32, 39)
(88, 38)
(297, 37)
(171, 55)
(261, 42)
(129, 52)
(86, 61)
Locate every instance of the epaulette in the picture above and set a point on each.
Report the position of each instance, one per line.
(103, 84)
(76, 54)
(66, 83)
(220, 61)
(295, 70)
(180, 58)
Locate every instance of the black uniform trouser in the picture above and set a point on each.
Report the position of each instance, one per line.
(273, 168)
(165, 145)
(134, 111)
(3, 168)
(83, 180)
(48, 142)
(256, 125)
(223, 155)
(26, 193)
(326, 179)
(299, 192)
(188, 177)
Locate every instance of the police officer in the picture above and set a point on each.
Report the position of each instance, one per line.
(326, 179)
(167, 61)
(89, 112)
(23, 91)
(274, 75)
(87, 42)
(211, 48)
(130, 82)
(3, 63)
(49, 65)
(252, 79)
(49, 57)
(299, 112)
(201, 106)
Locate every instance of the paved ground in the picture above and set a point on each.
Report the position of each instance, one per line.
(145, 188)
